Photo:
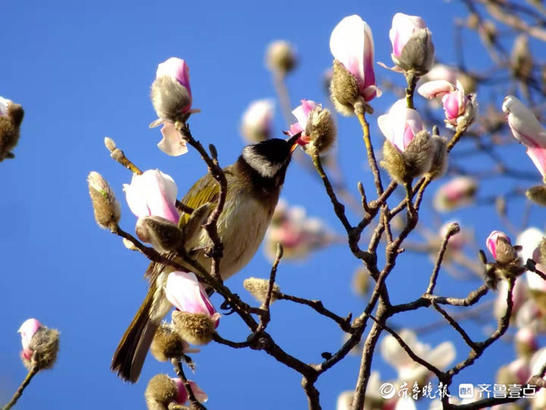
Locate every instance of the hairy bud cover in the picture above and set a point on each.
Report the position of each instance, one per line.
(258, 288)
(280, 57)
(105, 205)
(11, 117)
(195, 328)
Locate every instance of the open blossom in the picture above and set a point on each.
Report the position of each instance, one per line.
(298, 234)
(152, 193)
(458, 106)
(351, 44)
(412, 47)
(317, 127)
(400, 124)
(527, 130)
(408, 370)
(186, 294)
(459, 191)
(172, 100)
(257, 121)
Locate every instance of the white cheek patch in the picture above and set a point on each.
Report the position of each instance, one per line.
(260, 165)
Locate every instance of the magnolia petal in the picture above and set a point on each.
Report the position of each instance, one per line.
(173, 143)
(348, 44)
(185, 293)
(442, 355)
(27, 330)
(177, 69)
(435, 88)
(538, 156)
(302, 111)
(523, 123)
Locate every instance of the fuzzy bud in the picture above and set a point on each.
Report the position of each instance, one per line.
(521, 58)
(160, 392)
(11, 117)
(317, 127)
(439, 157)
(414, 161)
(537, 194)
(343, 89)
(280, 57)
(171, 93)
(412, 44)
(259, 287)
(164, 235)
(40, 345)
(195, 328)
(361, 281)
(167, 344)
(105, 206)
(500, 246)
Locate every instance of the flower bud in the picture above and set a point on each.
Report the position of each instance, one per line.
(521, 59)
(527, 130)
(167, 344)
(499, 245)
(412, 48)
(361, 281)
(537, 194)
(160, 392)
(408, 148)
(195, 328)
(40, 345)
(11, 117)
(458, 192)
(105, 206)
(351, 44)
(316, 125)
(280, 57)
(259, 287)
(257, 121)
(164, 235)
(172, 99)
(457, 239)
(183, 395)
(152, 194)
(439, 157)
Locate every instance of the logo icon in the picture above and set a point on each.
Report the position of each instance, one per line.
(466, 391)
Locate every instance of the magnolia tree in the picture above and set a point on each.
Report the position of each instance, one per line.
(410, 153)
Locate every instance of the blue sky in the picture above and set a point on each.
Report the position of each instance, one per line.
(82, 71)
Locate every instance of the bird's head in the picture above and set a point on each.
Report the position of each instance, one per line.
(269, 159)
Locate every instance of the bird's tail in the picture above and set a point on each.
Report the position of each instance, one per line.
(133, 347)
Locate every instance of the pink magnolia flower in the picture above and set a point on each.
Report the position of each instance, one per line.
(183, 396)
(27, 331)
(257, 121)
(172, 100)
(301, 112)
(152, 193)
(403, 28)
(459, 191)
(400, 124)
(440, 72)
(527, 130)
(178, 70)
(492, 241)
(351, 43)
(436, 88)
(186, 294)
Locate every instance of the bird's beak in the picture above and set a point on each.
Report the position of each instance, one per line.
(293, 141)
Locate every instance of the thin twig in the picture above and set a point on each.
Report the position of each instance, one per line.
(19, 392)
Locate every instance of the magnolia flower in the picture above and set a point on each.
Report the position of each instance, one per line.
(27, 331)
(527, 130)
(257, 121)
(519, 295)
(459, 191)
(400, 125)
(183, 396)
(530, 240)
(408, 370)
(186, 294)
(298, 234)
(526, 341)
(373, 399)
(516, 372)
(316, 126)
(351, 44)
(459, 107)
(171, 98)
(440, 72)
(500, 247)
(412, 48)
(152, 193)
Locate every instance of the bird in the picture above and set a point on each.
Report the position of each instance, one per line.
(254, 184)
